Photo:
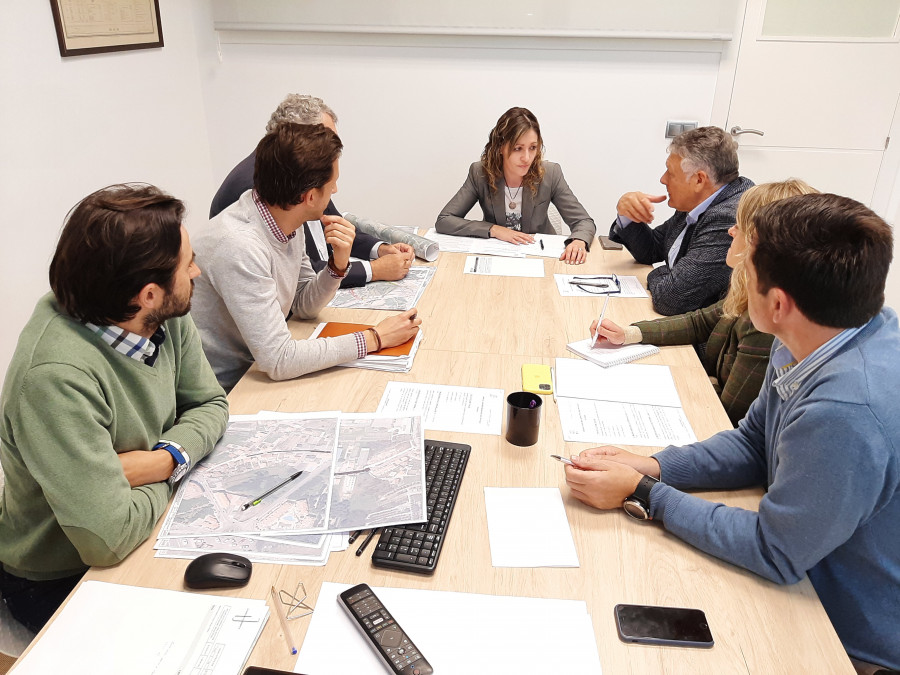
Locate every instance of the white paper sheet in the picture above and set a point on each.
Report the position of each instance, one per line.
(470, 410)
(113, 629)
(553, 245)
(587, 421)
(639, 383)
(631, 287)
(504, 267)
(458, 633)
(527, 527)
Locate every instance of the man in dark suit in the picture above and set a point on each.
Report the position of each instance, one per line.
(378, 260)
(704, 188)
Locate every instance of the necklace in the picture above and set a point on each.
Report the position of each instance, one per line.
(513, 197)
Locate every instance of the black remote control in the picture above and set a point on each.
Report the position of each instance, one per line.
(386, 637)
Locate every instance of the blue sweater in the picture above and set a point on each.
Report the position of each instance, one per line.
(829, 458)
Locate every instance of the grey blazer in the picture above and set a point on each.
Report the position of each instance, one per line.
(534, 207)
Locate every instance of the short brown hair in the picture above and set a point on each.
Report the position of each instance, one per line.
(829, 253)
(707, 149)
(292, 160)
(509, 128)
(114, 242)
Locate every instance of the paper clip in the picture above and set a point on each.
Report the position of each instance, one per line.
(296, 603)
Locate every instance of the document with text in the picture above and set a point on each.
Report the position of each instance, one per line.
(568, 286)
(504, 267)
(585, 421)
(470, 410)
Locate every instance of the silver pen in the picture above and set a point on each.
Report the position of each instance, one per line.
(564, 460)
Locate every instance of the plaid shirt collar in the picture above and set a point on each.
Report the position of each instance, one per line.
(130, 344)
(790, 373)
(270, 221)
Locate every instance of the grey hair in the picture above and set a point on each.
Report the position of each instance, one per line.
(707, 149)
(300, 109)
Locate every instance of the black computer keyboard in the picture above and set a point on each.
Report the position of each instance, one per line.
(416, 547)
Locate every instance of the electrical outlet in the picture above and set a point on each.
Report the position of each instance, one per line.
(675, 128)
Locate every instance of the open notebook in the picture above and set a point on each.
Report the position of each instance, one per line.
(606, 354)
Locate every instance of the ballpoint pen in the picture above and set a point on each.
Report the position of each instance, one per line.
(362, 546)
(541, 242)
(553, 382)
(599, 321)
(284, 627)
(563, 460)
(353, 536)
(266, 494)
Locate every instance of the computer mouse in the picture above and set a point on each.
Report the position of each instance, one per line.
(218, 570)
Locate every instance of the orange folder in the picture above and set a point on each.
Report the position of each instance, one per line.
(336, 329)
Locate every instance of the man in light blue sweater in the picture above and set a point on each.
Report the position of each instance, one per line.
(823, 437)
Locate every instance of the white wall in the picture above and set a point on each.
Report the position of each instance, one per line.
(70, 126)
(412, 119)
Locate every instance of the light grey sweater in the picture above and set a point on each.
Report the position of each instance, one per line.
(249, 284)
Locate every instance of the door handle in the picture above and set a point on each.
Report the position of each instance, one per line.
(737, 131)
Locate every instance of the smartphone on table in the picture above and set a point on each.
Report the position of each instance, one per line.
(671, 626)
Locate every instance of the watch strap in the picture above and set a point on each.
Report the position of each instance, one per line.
(642, 491)
(182, 459)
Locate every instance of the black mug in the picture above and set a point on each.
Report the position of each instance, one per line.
(523, 418)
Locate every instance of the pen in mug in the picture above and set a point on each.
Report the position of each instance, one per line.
(563, 460)
(599, 321)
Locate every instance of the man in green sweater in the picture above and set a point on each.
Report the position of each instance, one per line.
(108, 399)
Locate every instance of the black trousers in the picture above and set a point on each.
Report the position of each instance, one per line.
(32, 603)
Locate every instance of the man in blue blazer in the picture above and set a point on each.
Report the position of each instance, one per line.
(378, 260)
(704, 188)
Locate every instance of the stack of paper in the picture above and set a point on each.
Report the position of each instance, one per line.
(632, 404)
(399, 295)
(545, 245)
(109, 629)
(503, 267)
(358, 471)
(458, 633)
(397, 359)
(471, 410)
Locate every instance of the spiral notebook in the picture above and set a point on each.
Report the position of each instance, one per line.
(606, 354)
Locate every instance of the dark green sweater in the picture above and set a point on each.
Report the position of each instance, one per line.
(69, 404)
(736, 354)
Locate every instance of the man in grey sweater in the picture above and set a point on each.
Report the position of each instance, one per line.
(258, 274)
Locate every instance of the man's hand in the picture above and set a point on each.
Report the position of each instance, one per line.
(638, 206)
(340, 234)
(390, 267)
(399, 248)
(396, 330)
(610, 331)
(645, 465)
(510, 235)
(142, 467)
(602, 483)
(575, 253)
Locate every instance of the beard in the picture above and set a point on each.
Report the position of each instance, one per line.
(173, 306)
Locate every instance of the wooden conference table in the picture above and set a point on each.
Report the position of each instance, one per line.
(479, 331)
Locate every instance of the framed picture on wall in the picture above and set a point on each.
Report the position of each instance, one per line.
(93, 26)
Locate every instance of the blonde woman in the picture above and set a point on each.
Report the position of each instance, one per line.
(734, 353)
(514, 187)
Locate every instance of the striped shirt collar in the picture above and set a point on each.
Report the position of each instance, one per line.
(270, 221)
(130, 344)
(790, 374)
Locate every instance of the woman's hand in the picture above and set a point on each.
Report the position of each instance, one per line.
(575, 253)
(510, 235)
(610, 331)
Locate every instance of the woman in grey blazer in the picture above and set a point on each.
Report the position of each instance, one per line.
(514, 187)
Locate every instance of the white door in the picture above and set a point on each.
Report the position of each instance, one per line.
(821, 80)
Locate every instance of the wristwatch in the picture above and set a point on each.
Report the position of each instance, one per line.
(638, 504)
(182, 461)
